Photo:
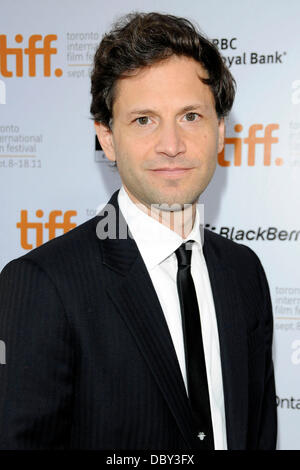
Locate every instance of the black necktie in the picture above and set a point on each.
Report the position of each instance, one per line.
(193, 345)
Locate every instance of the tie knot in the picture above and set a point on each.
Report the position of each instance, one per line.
(184, 253)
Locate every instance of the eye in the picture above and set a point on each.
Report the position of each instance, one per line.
(191, 117)
(143, 120)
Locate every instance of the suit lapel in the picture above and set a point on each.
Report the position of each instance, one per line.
(233, 344)
(132, 292)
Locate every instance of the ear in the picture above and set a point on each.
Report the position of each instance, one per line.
(221, 136)
(104, 135)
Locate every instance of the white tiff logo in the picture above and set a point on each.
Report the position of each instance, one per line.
(2, 92)
(2, 352)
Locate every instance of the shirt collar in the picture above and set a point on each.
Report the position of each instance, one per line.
(155, 241)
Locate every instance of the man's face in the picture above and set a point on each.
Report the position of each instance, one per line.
(165, 135)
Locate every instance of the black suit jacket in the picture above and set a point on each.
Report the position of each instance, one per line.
(90, 362)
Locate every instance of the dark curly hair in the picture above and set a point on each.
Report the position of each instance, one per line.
(141, 39)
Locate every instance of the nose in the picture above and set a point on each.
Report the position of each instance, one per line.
(170, 140)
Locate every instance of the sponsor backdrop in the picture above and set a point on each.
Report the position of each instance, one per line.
(53, 176)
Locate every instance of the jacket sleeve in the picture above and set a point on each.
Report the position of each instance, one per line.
(36, 374)
(268, 418)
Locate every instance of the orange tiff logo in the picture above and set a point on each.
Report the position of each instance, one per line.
(252, 140)
(52, 225)
(32, 50)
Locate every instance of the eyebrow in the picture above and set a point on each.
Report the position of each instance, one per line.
(153, 111)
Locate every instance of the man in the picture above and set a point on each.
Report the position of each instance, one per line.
(127, 333)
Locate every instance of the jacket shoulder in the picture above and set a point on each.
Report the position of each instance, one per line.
(65, 249)
(244, 262)
(235, 255)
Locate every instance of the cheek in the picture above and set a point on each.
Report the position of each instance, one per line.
(205, 148)
(213, 147)
(127, 158)
(136, 152)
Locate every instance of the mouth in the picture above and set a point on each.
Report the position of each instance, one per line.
(171, 172)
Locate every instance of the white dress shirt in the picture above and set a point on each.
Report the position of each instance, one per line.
(157, 244)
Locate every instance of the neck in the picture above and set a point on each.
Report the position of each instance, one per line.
(180, 221)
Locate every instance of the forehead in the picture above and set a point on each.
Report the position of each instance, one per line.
(175, 80)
